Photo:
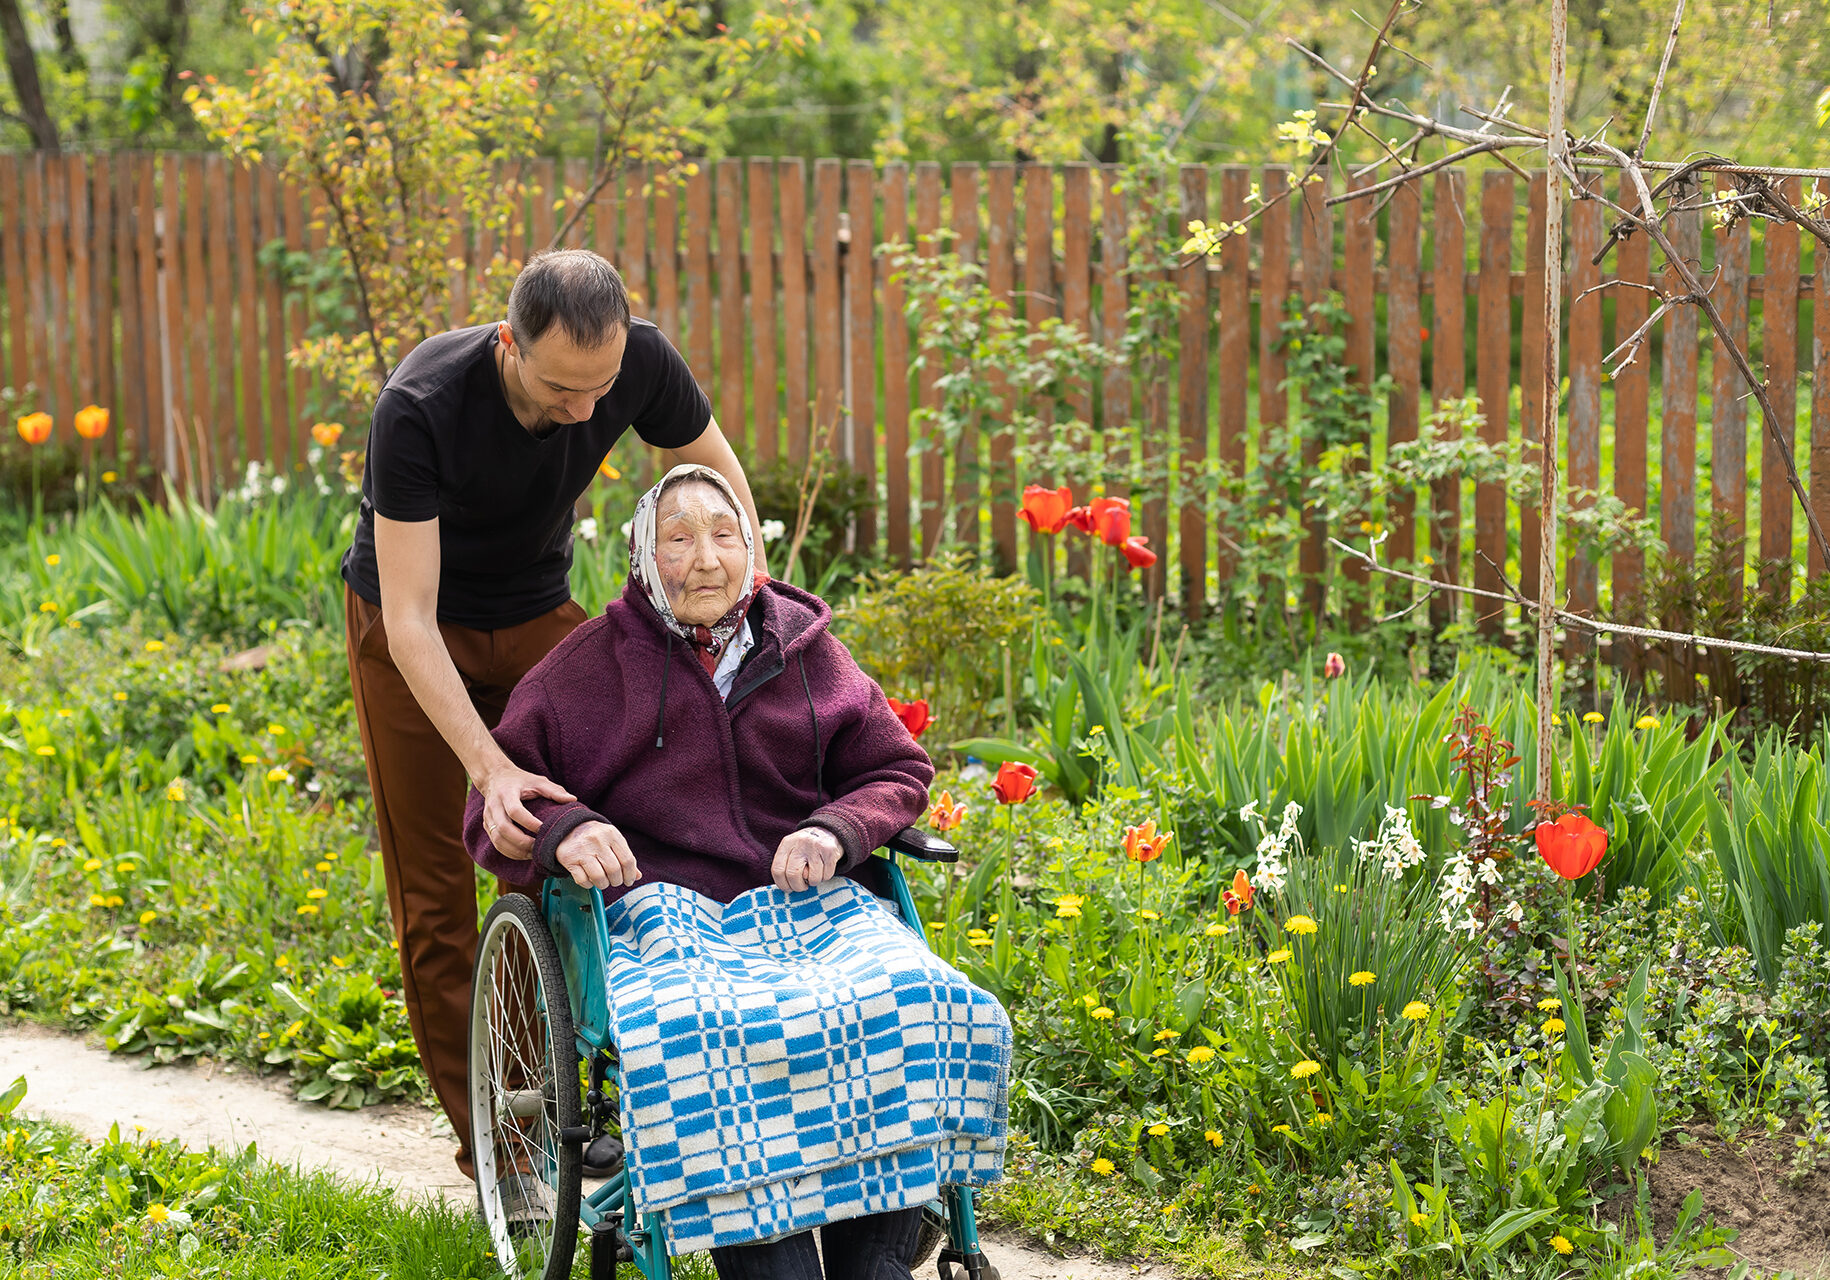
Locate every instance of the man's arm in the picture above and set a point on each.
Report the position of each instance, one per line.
(712, 450)
(407, 562)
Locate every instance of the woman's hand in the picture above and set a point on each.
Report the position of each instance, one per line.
(806, 857)
(598, 857)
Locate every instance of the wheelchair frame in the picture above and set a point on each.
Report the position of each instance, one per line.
(574, 920)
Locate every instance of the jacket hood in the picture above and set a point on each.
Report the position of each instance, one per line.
(789, 616)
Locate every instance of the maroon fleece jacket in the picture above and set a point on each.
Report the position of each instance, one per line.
(624, 716)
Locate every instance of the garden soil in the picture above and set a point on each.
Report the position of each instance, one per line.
(405, 1147)
(1784, 1223)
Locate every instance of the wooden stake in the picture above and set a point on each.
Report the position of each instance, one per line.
(1547, 474)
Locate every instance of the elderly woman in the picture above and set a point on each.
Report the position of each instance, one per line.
(720, 739)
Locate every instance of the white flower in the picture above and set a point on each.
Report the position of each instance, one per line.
(1513, 912)
(773, 529)
(587, 528)
(627, 528)
(1249, 812)
(1292, 812)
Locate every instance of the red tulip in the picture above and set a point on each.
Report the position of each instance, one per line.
(1138, 552)
(914, 715)
(945, 815)
(1334, 667)
(1572, 845)
(1143, 844)
(1081, 518)
(1112, 520)
(1015, 782)
(1046, 510)
(1239, 897)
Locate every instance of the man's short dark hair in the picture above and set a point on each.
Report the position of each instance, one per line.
(574, 289)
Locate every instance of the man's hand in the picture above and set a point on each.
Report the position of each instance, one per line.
(806, 857)
(510, 826)
(598, 857)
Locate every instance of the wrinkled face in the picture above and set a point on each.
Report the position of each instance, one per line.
(700, 553)
(564, 380)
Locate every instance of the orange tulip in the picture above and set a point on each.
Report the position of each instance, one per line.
(92, 422)
(326, 433)
(914, 715)
(1143, 844)
(1571, 846)
(1015, 782)
(35, 428)
(1111, 520)
(945, 815)
(1046, 510)
(1239, 897)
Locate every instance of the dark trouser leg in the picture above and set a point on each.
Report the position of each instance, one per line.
(419, 787)
(874, 1248)
(790, 1258)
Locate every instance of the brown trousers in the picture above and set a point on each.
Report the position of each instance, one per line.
(420, 788)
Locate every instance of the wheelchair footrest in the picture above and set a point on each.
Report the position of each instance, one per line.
(958, 1265)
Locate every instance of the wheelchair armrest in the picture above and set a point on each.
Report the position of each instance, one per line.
(913, 842)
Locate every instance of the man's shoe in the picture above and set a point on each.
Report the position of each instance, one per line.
(526, 1200)
(603, 1157)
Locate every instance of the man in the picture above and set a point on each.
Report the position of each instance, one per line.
(456, 584)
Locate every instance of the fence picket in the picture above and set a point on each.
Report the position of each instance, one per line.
(927, 394)
(791, 180)
(57, 287)
(701, 306)
(828, 320)
(1531, 379)
(16, 372)
(1235, 341)
(1191, 408)
(1678, 400)
(1448, 376)
(1632, 392)
(895, 368)
(765, 423)
(1318, 271)
(279, 414)
(1581, 576)
(1728, 410)
(965, 245)
(859, 270)
(1779, 338)
(1820, 402)
(1000, 279)
(1359, 234)
(81, 301)
(728, 370)
(1404, 360)
(1493, 384)
(247, 315)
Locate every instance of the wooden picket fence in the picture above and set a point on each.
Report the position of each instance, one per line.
(148, 283)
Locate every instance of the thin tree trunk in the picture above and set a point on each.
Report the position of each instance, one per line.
(22, 67)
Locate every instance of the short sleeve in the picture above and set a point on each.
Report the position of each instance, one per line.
(402, 463)
(675, 411)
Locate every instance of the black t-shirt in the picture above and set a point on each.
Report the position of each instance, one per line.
(443, 443)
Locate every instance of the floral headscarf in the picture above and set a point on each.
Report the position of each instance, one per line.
(708, 642)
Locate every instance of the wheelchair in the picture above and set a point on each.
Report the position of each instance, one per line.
(543, 1102)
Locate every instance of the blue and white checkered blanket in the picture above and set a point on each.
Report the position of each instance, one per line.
(795, 1059)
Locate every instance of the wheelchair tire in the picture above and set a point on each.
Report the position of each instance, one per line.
(933, 1234)
(524, 1092)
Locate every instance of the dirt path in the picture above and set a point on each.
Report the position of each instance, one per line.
(90, 1089)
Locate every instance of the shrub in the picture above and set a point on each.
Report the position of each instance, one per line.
(943, 632)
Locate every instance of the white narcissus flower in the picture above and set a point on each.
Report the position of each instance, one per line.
(587, 528)
(773, 529)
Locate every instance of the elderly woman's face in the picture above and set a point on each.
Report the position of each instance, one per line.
(700, 553)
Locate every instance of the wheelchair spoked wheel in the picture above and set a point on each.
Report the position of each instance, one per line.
(524, 1094)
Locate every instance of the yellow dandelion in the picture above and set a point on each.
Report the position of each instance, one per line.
(317, 893)
(1548, 1003)
(147, 917)
(1216, 930)
(980, 942)
(47, 751)
(1363, 978)
(277, 730)
(1561, 1245)
(277, 774)
(339, 962)
(1419, 1219)
(1166, 1034)
(1646, 722)
(109, 477)
(1103, 1014)
(1199, 1054)
(1301, 926)
(49, 606)
(1593, 717)
(53, 560)
(309, 909)
(175, 791)
(1159, 1053)
(330, 857)
(158, 1215)
(1556, 722)
(58, 842)
(1090, 1000)
(1321, 1120)
(1306, 1068)
(154, 646)
(1215, 1138)
(1103, 1167)
(322, 866)
(220, 708)
(114, 900)
(1282, 1128)
(1553, 1026)
(120, 697)
(1416, 1011)
(92, 864)
(250, 759)
(1147, 914)
(1279, 956)
(1067, 913)
(96, 900)
(123, 866)
(1157, 1130)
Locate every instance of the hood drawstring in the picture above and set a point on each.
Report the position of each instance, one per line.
(819, 752)
(660, 723)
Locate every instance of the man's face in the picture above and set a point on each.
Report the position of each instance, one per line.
(565, 381)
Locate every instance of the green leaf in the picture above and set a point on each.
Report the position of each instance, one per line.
(11, 1098)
